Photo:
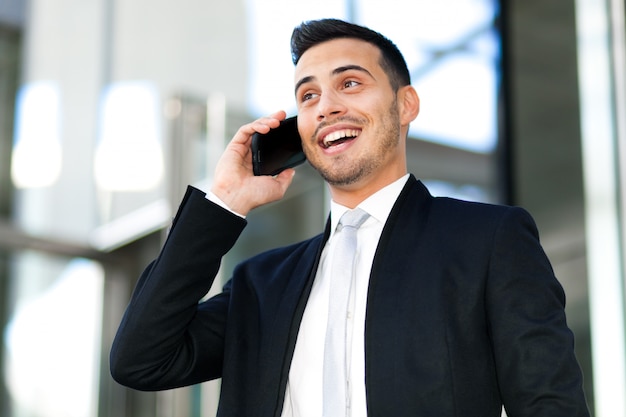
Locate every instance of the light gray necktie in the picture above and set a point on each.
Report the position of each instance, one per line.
(335, 379)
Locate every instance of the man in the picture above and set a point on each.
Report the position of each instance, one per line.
(454, 311)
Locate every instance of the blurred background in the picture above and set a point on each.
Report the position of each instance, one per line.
(109, 109)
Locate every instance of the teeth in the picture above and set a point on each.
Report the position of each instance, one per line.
(339, 134)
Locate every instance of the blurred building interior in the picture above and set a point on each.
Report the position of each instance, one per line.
(109, 109)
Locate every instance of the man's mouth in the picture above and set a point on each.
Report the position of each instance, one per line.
(339, 136)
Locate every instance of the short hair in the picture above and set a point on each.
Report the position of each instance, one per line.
(314, 32)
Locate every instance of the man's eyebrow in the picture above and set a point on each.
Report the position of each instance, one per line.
(336, 71)
(303, 81)
(351, 67)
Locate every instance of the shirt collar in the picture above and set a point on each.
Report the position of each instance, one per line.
(378, 205)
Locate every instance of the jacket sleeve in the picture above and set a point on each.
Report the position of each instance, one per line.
(534, 349)
(166, 339)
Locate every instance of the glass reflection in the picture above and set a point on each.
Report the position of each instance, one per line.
(52, 340)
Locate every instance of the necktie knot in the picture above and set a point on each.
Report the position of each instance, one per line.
(353, 218)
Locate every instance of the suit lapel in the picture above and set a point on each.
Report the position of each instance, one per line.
(299, 289)
(401, 234)
(393, 279)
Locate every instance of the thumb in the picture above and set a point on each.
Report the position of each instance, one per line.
(285, 178)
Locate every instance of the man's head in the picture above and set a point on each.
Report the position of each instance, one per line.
(312, 33)
(355, 104)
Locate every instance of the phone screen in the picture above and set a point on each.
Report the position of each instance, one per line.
(277, 150)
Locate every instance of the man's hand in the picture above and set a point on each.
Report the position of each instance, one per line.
(234, 182)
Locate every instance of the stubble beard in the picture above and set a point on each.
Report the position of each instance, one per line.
(346, 171)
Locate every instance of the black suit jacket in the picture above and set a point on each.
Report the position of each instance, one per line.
(463, 314)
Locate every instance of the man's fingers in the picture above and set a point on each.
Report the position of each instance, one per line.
(261, 125)
(234, 182)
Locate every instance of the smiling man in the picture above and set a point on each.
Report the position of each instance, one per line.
(450, 308)
(353, 121)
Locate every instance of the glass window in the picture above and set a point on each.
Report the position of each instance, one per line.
(52, 335)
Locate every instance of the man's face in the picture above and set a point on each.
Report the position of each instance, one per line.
(348, 115)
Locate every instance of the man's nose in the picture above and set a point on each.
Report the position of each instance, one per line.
(329, 104)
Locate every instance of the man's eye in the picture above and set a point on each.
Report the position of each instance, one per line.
(308, 96)
(350, 83)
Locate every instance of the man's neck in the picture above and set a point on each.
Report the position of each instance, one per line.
(353, 194)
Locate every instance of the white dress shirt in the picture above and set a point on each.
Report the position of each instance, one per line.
(304, 387)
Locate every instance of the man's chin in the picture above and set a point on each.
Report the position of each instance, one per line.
(344, 178)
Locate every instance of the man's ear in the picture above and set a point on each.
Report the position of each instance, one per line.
(409, 104)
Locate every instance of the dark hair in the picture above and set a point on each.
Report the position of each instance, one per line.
(314, 32)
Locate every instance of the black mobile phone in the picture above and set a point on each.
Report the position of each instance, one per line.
(277, 150)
